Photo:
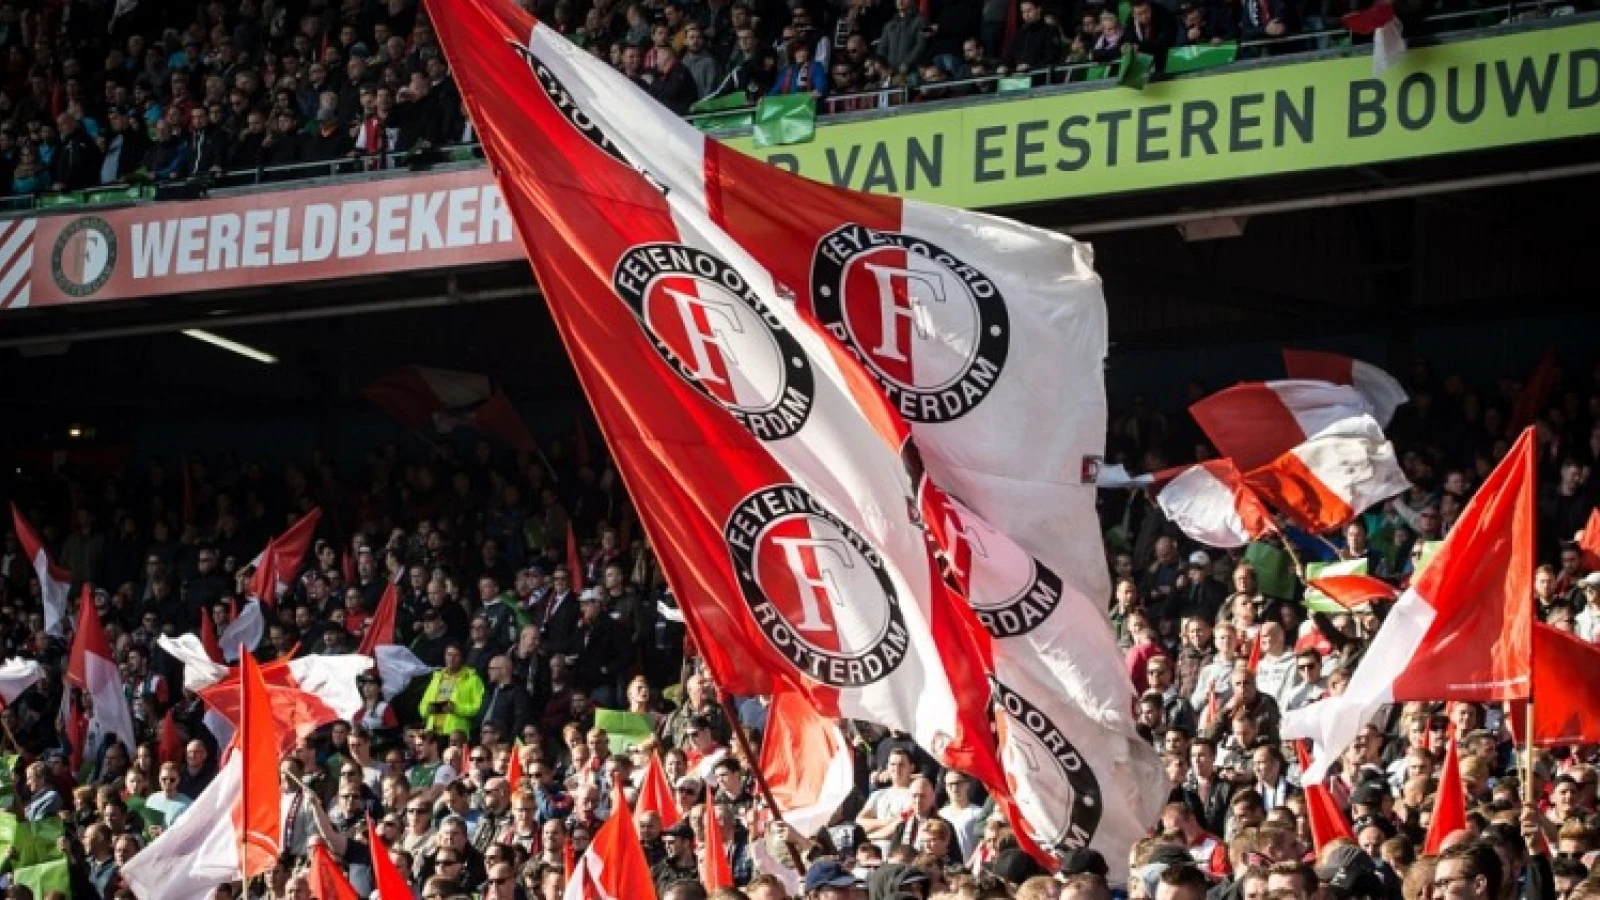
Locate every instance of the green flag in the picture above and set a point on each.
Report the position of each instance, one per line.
(626, 729)
(1274, 570)
(35, 842)
(1200, 56)
(45, 877)
(1317, 601)
(1015, 83)
(718, 113)
(8, 781)
(1135, 70)
(784, 119)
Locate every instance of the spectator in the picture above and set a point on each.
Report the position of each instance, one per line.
(904, 38)
(330, 141)
(77, 161)
(673, 85)
(168, 154)
(802, 75)
(1037, 44)
(284, 145)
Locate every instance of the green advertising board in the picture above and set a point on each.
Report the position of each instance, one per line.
(1518, 88)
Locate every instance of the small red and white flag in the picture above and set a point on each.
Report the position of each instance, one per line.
(1462, 631)
(55, 583)
(1210, 503)
(422, 398)
(1380, 388)
(296, 711)
(614, 867)
(1332, 477)
(279, 563)
(1256, 422)
(807, 763)
(92, 669)
(655, 794)
(1380, 21)
(200, 850)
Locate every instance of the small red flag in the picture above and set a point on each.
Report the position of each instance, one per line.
(566, 857)
(514, 767)
(169, 746)
(380, 628)
(1327, 821)
(1351, 591)
(1535, 393)
(574, 564)
(1450, 803)
(1589, 541)
(386, 878)
(1255, 651)
(260, 815)
(208, 636)
(327, 882)
(656, 796)
(715, 873)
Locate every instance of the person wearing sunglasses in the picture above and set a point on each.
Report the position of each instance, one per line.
(501, 884)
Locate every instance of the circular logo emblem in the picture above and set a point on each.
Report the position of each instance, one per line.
(1051, 782)
(84, 257)
(1011, 592)
(710, 326)
(933, 329)
(818, 591)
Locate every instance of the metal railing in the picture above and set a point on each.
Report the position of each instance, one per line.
(1277, 48)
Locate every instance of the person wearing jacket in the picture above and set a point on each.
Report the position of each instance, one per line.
(125, 145)
(453, 697)
(1037, 44)
(904, 38)
(76, 164)
(803, 75)
(168, 155)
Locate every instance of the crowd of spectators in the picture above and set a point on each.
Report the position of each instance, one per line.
(176, 90)
(477, 546)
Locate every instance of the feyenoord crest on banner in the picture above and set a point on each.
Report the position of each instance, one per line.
(1011, 592)
(1052, 783)
(817, 589)
(896, 300)
(714, 331)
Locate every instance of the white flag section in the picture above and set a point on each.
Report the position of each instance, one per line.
(91, 668)
(397, 667)
(1333, 476)
(55, 583)
(200, 850)
(980, 340)
(246, 629)
(16, 676)
(198, 669)
(807, 763)
(331, 678)
(1210, 503)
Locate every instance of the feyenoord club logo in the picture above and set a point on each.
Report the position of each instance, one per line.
(1011, 593)
(933, 329)
(1061, 788)
(817, 590)
(84, 257)
(561, 98)
(713, 330)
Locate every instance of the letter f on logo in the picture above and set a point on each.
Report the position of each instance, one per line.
(805, 556)
(914, 309)
(720, 319)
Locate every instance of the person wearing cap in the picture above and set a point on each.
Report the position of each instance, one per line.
(430, 645)
(1348, 872)
(605, 653)
(827, 879)
(680, 863)
(1587, 623)
(1198, 594)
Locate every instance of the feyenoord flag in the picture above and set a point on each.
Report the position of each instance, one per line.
(780, 470)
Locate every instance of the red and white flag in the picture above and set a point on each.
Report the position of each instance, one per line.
(1380, 21)
(1256, 422)
(200, 850)
(811, 440)
(1462, 631)
(397, 666)
(1332, 477)
(93, 670)
(1351, 591)
(440, 399)
(16, 676)
(1381, 389)
(807, 763)
(614, 867)
(280, 562)
(258, 819)
(1210, 503)
(1326, 819)
(55, 583)
(296, 711)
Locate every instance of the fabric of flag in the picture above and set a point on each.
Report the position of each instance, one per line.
(386, 877)
(1135, 71)
(718, 113)
(715, 871)
(655, 794)
(574, 562)
(807, 762)
(55, 583)
(200, 850)
(1567, 710)
(1210, 503)
(170, 744)
(280, 561)
(1589, 541)
(16, 676)
(1256, 422)
(246, 631)
(614, 867)
(1343, 586)
(31, 843)
(1381, 389)
(1462, 631)
(784, 119)
(1536, 391)
(750, 433)
(1326, 819)
(92, 669)
(259, 816)
(208, 636)
(1199, 57)
(1333, 476)
(424, 399)
(397, 666)
(1274, 569)
(299, 707)
(327, 881)
(45, 877)
(1449, 801)
(626, 729)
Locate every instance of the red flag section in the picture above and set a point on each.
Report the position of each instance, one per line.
(1255, 423)
(1351, 591)
(280, 562)
(208, 636)
(514, 773)
(1450, 802)
(391, 885)
(574, 561)
(296, 712)
(170, 744)
(1566, 707)
(715, 872)
(327, 882)
(1462, 631)
(1535, 393)
(807, 763)
(1380, 388)
(1333, 475)
(1589, 541)
(380, 628)
(656, 796)
(614, 867)
(260, 817)
(1327, 820)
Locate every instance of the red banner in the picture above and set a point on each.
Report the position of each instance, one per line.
(371, 227)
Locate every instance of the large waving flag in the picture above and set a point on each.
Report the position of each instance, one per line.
(396, 664)
(92, 670)
(200, 850)
(16, 676)
(1210, 503)
(280, 561)
(807, 762)
(787, 455)
(1331, 478)
(259, 816)
(55, 583)
(296, 712)
(1462, 631)
(614, 867)
(1381, 389)
(1256, 422)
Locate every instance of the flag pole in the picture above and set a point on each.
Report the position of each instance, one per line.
(1528, 797)
(756, 773)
